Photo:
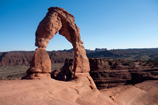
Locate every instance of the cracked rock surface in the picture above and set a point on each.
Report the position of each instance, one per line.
(75, 92)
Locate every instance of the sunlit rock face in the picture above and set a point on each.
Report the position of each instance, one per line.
(59, 20)
(40, 66)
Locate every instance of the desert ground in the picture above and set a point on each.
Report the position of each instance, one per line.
(75, 92)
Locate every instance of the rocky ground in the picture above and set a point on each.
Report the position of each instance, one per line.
(120, 82)
(75, 92)
(108, 73)
(144, 93)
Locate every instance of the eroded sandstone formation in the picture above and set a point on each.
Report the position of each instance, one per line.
(40, 66)
(65, 73)
(108, 73)
(58, 20)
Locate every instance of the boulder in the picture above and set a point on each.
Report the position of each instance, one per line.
(65, 73)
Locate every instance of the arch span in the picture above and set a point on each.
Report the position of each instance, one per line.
(58, 19)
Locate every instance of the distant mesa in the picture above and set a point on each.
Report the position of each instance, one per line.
(24, 57)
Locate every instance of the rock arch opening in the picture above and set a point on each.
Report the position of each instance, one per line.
(58, 42)
(57, 20)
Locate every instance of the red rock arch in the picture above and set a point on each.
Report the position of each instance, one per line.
(58, 19)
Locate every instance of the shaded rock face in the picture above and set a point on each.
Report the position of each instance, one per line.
(101, 70)
(138, 76)
(110, 78)
(98, 64)
(65, 73)
(108, 73)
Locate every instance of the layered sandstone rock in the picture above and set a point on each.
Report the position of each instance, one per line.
(24, 57)
(40, 66)
(97, 63)
(15, 58)
(65, 73)
(57, 19)
(108, 73)
(51, 92)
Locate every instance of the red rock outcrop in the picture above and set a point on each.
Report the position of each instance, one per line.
(40, 66)
(108, 73)
(57, 19)
(65, 73)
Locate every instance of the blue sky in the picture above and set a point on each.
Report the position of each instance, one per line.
(110, 24)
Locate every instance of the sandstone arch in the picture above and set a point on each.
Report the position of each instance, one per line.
(58, 20)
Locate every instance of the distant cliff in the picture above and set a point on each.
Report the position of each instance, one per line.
(24, 57)
(129, 54)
